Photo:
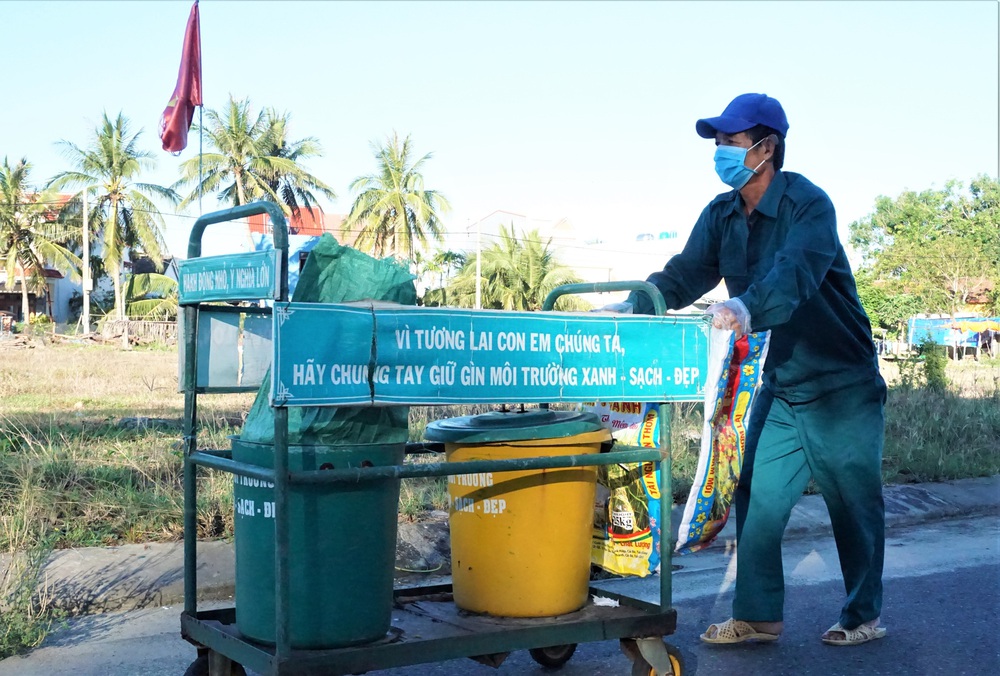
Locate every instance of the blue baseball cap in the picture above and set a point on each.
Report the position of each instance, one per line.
(744, 112)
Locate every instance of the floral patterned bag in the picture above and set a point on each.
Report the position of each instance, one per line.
(732, 384)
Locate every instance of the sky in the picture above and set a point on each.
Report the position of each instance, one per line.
(578, 110)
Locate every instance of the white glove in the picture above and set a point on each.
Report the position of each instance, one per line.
(623, 308)
(731, 315)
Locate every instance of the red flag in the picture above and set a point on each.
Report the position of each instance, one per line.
(176, 119)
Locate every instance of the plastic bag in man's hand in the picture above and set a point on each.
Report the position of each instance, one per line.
(731, 315)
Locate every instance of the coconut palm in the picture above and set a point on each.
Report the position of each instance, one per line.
(393, 211)
(253, 159)
(151, 296)
(517, 274)
(293, 185)
(124, 215)
(444, 264)
(30, 236)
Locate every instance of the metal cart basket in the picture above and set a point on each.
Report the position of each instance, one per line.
(229, 346)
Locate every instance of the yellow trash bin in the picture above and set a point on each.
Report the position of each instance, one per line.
(521, 540)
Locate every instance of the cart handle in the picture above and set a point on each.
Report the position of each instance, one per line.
(659, 305)
(270, 208)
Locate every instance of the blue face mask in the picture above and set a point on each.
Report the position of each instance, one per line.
(730, 165)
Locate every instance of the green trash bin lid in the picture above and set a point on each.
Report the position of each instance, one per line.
(516, 425)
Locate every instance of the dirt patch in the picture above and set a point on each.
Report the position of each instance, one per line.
(423, 548)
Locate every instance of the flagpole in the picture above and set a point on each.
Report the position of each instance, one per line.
(201, 136)
(201, 125)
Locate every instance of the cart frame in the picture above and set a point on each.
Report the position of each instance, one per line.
(426, 625)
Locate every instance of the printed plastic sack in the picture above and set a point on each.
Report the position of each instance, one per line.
(732, 383)
(626, 538)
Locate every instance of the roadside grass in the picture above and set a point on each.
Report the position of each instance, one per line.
(938, 435)
(90, 447)
(25, 601)
(90, 455)
(422, 494)
(101, 484)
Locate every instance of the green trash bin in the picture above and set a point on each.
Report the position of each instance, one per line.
(342, 547)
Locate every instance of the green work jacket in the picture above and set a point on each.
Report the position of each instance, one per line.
(786, 264)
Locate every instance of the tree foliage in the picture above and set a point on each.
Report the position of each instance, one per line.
(436, 271)
(30, 235)
(122, 213)
(932, 251)
(887, 310)
(152, 296)
(393, 211)
(517, 274)
(251, 158)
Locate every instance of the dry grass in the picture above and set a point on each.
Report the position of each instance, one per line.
(96, 382)
(26, 601)
(942, 435)
(90, 447)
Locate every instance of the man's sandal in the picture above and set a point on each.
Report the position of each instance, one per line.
(860, 634)
(735, 631)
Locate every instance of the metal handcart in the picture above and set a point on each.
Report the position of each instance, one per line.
(426, 625)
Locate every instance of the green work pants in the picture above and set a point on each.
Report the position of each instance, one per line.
(837, 440)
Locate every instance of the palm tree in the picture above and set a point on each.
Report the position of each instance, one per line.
(151, 296)
(516, 275)
(123, 213)
(292, 184)
(30, 237)
(393, 210)
(444, 263)
(253, 159)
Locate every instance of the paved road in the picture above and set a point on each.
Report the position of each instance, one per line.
(942, 601)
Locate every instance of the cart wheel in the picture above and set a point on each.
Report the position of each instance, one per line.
(642, 668)
(200, 668)
(554, 656)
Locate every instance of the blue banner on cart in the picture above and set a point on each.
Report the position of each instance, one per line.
(246, 276)
(355, 354)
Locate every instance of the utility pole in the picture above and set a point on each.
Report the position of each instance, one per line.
(479, 264)
(87, 282)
